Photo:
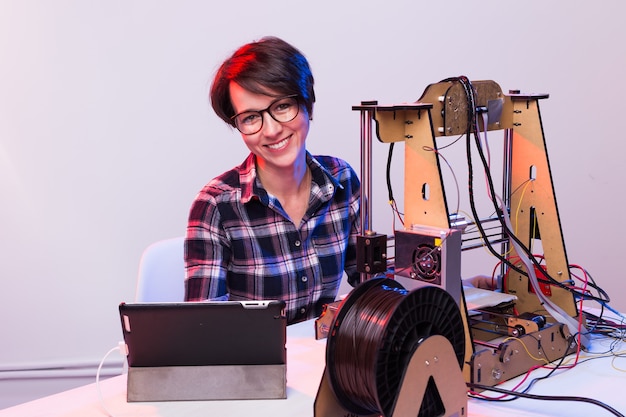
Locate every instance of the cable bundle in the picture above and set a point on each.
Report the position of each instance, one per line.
(375, 333)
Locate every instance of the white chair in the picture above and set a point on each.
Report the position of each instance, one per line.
(162, 272)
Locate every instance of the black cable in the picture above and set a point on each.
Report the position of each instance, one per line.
(546, 397)
(389, 189)
(553, 370)
(592, 283)
(512, 235)
(473, 125)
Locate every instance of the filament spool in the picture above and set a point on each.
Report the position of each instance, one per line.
(375, 332)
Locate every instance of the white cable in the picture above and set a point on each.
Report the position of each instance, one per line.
(121, 347)
(554, 310)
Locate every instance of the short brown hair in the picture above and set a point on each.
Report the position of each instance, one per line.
(268, 66)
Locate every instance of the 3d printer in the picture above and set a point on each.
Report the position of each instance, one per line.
(506, 340)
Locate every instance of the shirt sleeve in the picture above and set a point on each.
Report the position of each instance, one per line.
(350, 266)
(206, 252)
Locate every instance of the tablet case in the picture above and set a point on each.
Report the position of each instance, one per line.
(205, 350)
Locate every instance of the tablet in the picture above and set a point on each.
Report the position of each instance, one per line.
(204, 333)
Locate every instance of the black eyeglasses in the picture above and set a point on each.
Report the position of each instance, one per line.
(283, 110)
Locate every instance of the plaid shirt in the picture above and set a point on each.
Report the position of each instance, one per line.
(241, 244)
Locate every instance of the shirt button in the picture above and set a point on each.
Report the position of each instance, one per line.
(304, 279)
(297, 243)
(302, 310)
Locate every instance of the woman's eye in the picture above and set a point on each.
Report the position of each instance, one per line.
(248, 119)
(282, 107)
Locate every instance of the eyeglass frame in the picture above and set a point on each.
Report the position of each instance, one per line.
(267, 110)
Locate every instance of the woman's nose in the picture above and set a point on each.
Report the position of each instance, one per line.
(270, 126)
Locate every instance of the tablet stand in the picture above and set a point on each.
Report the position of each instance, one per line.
(215, 382)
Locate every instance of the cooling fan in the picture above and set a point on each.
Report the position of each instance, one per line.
(426, 263)
(429, 256)
(380, 339)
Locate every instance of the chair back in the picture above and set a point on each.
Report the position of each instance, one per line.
(162, 272)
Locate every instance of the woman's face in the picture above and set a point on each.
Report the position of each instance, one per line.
(277, 145)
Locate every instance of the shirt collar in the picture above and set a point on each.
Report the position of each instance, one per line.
(252, 189)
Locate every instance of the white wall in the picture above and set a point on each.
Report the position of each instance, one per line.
(106, 133)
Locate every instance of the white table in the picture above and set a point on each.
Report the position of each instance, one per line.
(305, 364)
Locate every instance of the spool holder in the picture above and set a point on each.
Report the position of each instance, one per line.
(425, 323)
(434, 358)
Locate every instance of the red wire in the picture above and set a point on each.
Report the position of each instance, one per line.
(583, 290)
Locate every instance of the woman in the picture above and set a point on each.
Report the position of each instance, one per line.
(283, 224)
